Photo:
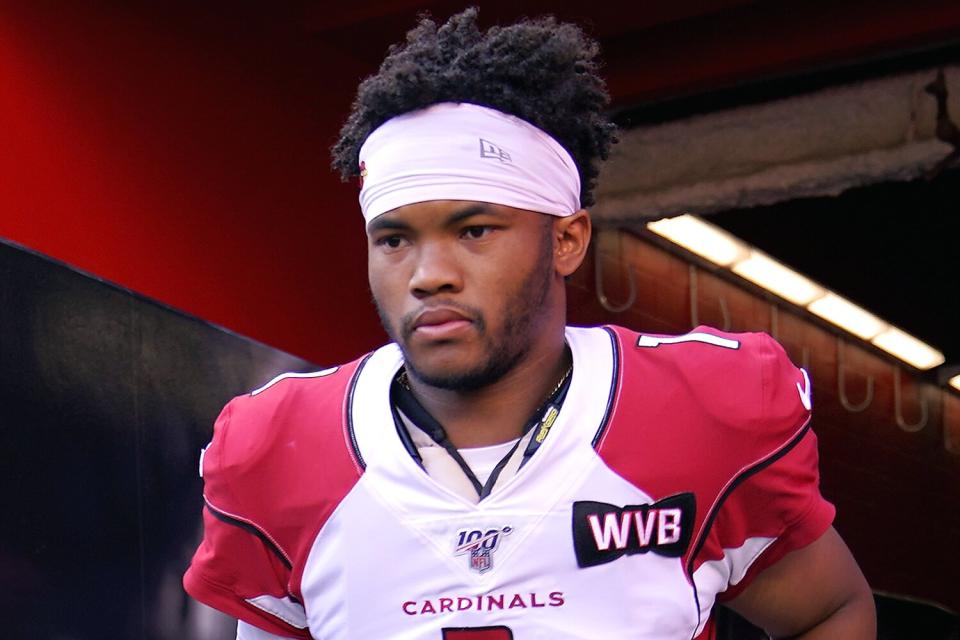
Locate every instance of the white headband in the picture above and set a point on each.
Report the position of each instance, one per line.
(461, 151)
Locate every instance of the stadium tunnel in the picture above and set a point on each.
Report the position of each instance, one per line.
(173, 237)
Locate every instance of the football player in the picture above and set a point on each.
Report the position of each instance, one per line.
(493, 473)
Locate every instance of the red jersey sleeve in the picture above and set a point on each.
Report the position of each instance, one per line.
(239, 568)
(774, 506)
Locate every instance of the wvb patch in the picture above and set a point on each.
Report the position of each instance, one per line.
(604, 532)
(479, 545)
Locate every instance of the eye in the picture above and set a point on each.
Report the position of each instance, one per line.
(393, 241)
(476, 232)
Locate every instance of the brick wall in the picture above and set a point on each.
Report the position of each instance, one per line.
(897, 488)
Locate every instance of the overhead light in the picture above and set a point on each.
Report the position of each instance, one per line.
(847, 315)
(702, 238)
(766, 272)
(909, 349)
(955, 382)
(726, 250)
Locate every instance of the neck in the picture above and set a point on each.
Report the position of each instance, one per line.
(498, 412)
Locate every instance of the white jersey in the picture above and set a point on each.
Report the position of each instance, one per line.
(678, 468)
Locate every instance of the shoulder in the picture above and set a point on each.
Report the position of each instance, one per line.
(289, 433)
(277, 467)
(724, 416)
(265, 421)
(703, 346)
(743, 380)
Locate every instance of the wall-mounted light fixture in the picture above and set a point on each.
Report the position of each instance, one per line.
(702, 238)
(726, 250)
(764, 271)
(847, 315)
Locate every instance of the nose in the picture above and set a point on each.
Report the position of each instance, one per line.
(437, 271)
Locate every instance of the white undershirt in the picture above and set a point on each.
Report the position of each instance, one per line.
(483, 460)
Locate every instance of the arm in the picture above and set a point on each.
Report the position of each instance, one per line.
(238, 567)
(814, 592)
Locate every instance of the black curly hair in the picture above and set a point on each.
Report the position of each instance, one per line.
(540, 70)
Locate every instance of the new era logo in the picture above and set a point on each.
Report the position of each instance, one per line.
(490, 150)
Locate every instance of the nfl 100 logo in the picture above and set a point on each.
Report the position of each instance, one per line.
(480, 545)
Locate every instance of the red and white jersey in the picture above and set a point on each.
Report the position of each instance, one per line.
(679, 467)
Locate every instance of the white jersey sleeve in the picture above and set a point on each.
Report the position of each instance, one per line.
(249, 632)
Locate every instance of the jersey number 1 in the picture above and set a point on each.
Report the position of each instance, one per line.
(478, 633)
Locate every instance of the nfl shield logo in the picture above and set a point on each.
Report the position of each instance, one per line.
(480, 560)
(480, 544)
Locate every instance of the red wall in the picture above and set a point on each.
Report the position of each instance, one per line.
(184, 155)
(180, 148)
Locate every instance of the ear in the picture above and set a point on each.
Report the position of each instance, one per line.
(572, 238)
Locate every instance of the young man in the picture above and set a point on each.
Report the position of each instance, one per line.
(494, 474)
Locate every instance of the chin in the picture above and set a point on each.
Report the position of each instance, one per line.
(460, 376)
(457, 380)
(444, 376)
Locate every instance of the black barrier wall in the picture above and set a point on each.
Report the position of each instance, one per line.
(106, 399)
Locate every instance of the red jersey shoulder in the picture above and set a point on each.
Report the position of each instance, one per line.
(742, 381)
(694, 412)
(283, 449)
(278, 421)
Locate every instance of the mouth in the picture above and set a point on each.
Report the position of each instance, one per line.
(440, 324)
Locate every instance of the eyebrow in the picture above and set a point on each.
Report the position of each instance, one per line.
(469, 211)
(382, 223)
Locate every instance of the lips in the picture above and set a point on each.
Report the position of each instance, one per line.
(440, 324)
(436, 317)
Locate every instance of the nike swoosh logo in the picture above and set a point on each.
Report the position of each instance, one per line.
(805, 391)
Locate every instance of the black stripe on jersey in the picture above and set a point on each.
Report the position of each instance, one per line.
(696, 603)
(249, 528)
(716, 509)
(614, 383)
(404, 401)
(760, 466)
(353, 436)
(401, 428)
